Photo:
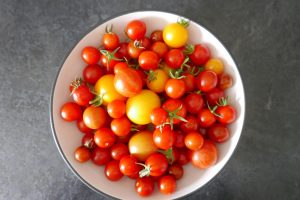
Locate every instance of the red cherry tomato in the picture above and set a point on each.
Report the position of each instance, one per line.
(90, 55)
(174, 58)
(82, 95)
(110, 40)
(119, 150)
(206, 118)
(121, 126)
(157, 165)
(148, 60)
(116, 108)
(92, 73)
(158, 116)
(160, 48)
(206, 156)
(100, 156)
(190, 125)
(226, 114)
(214, 96)
(175, 88)
(82, 154)
(112, 171)
(190, 82)
(225, 81)
(104, 138)
(123, 51)
(218, 133)
(176, 170)
(194, 103)
(70, 111)
(128, 165)
(167, 184)
(82, 127)
(206, 81)
(200, 55)
(171, 105)
(109, 61)
(136, 29)
(179, 142)
(88, 141)
(193, 140)
(156, 36)
(165, 138)
(94, 117)
(144, 186)
(183, 157)
(134, 50)
(145, 43)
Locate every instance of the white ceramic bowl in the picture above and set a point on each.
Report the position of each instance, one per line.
(68, 137)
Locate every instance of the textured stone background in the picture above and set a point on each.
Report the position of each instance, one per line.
(263, 37)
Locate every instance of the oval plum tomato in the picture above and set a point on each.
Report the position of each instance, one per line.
(82, 127)
(155, 165)
(176, 170)
(172, 105)
(194, 103)
(90, 55)
(121, 126)
(193, 140)
(82, 95)
(70, 111)
(179, 142)
(135, 29)
(92, 73)
(156, 80)
(145, 43)
(174, 58)
(106, 90)
(94, 117)
(100, 156)
(123, 51)
(206, 118)
(190, 82)
(226, 114)
(175, 88)
(160, 48)
(200, 55)
(225, 81)
(175, 35)
(167, 184)
(183, 157)
(206, 156)
(128, 165)
(148, 60)
(156, 36)
(144, 186)
(119, 150)
(88, 141)
(218, 133)
(216, 65)
(104, 137)
(112, 171)
(139, 107)
(116, 108)
(82, 154)
(214, 96)
(110, 40)
(128, 82)
(158, 116)
(191, 124)
(206, 81)
(134, 49)
(165, 138)
(141, 145)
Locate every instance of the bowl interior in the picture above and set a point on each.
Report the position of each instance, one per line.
(68, 137)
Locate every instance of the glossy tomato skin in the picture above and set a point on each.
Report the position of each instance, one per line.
(175, 88)
(190, 82)
(128, 165)
(156, 80)
(104, 137)
(216, 65)
(160, 48)
(92, 73)
(193, 140)
(167, 184)
(175, 35)
(176, 170)
(158, 116)
(82, 127)
(70, 111)
(88, 141)
(145, 43)
(148, 60)
(179, 142)
(225, 81)
(119, 150)
(90, 55)
(144, 186)
(190, 125)
(206, 118)
(200, 55)
(218, 133)
(110, 41)
(109, 63)
(112, 171)
(133, 50)
(173, 104)
(82, 154)
(121, 126)
(158, 164)
(206, 156)
(100, 156)
(136, 29)
(214, 96)
(123, 50)
(82, 95)
(94, 117)
(156, 36)
(194, 103)
(226, 114)
(165, 138)
(206, 81)
(174, 58)
(116, 108)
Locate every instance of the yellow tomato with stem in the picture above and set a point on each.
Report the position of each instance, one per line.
(215, 64)
(156, 80)
(175, 35)
(139, 107)
(106, 91)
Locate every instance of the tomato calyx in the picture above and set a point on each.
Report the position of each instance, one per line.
(98, 100)
(89, 144)
(183, 22)
(145, 171)
(222, 102)
(173, 115)
(189, 49)
(75, 84)
(138, 44)
(110, 55)
(169, 155)
(152, 76)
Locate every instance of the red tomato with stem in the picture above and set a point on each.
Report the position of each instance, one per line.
(121, 126)
(82, 154)
(134, 49)
(155, 165)
(90, 55)
(167, 184)
(119, 150)
(206, 81)
(112, 171)
(214, 96)
(70, 111)
(110, 40)
(160, 48)
(164, 138)
(206, 118)
(123, 51)
(109, 59)
(104, 138)
(200, 55)
(174, 58)
(116, 108)
(226, 114)
(177, 110)
(144, 186)
(218, 133)
(100, 156)
(175, 88)
(145, 43)
(135, 29)
(194, 103)
(148, 60)
(158, 116)
(156, 36)
(128, 165)
(82, 95)
(206, 156)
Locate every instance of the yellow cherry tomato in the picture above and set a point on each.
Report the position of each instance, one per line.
(141, 145)
(139, 107)
(156, 80)
(104, 87)
(175, 35)
(215, 64)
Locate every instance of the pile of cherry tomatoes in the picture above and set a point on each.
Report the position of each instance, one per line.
(149, 105)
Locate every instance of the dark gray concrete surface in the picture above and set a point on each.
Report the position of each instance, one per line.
(263, 37)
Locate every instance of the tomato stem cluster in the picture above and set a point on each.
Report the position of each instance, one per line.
(183, 22)
(222, 102)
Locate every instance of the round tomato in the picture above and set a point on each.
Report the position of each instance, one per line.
(136, 29)
(173, 107)
(123, 50)
(144, 186)
(109, 59)
(218, 133)
(70, 111)
(88, 141)
(119, 150)
(104, 138)
(176, 170)
(175, 88)
(110, 40)
(226, 114)
(200, 55)
(90, 55)
(100, 156)
(167, 184)
(92, 73)
(134, 49)
(82, 154)
(174, 58)
(139, 107)
(156, 36)
(206, 81)
(158, 116)
(82, 95)
(141, 145)
(155, 165)
(175, 35)
(193, 140)
(160, 48)
(121, 126)
(206, 156)
(128, 165)
(148, 60)
(194, 103)
(206, 118)
(190, 82)
(116, 108)
(214, 96)
(165, 138)
(112, 171)
(94, 117)
(216, 65)
(191, 124)
(157, 80)
(145, 43)
(225, 81)
(82, 127)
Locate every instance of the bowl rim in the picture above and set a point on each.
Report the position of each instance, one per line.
(60, 68)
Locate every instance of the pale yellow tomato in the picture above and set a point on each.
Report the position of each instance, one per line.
(139, 107)
(104, 87)
(156, 80)
(175, 35)
(141, 145)
(215, 64)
